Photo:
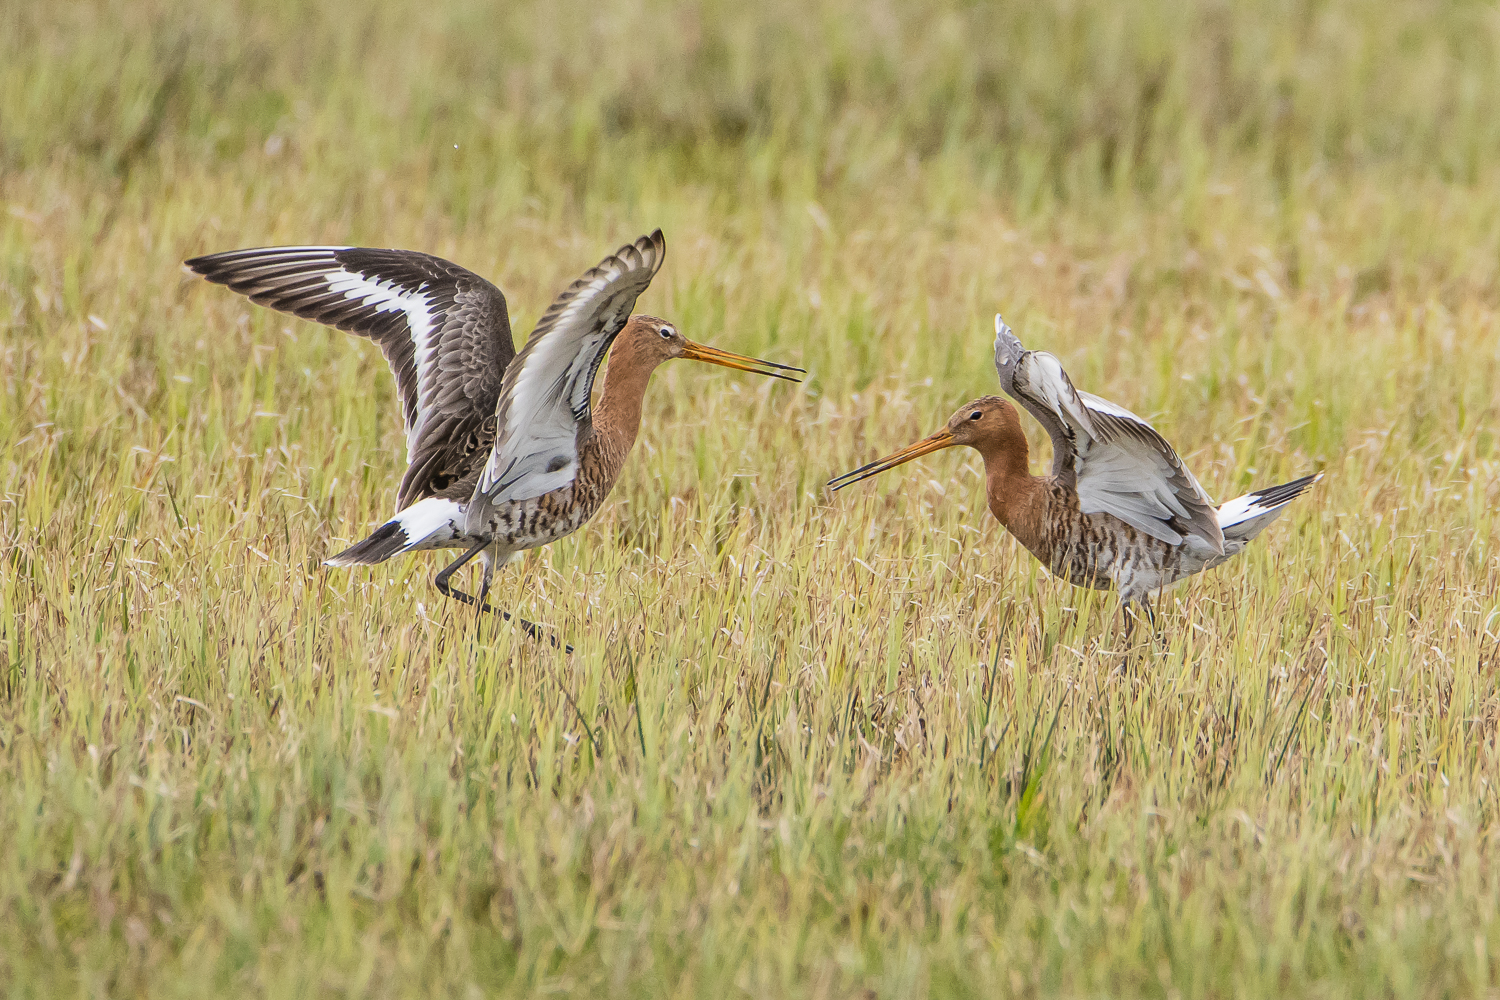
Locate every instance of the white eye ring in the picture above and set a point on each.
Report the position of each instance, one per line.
(666, 333)
(976, 415)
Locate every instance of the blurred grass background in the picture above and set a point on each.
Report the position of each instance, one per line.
(807, 747)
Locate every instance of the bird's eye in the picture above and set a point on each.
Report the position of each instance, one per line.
(666, 333)
(976, 415)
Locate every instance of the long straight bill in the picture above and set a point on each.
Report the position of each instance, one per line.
(714, 356)
(935, 442)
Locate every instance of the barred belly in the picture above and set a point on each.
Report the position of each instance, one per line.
(527, 524)
(1105, 553)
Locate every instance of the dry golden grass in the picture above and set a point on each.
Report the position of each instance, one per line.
(807, 746)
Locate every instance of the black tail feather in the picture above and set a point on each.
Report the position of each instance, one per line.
(387, 540)
(1275, 496)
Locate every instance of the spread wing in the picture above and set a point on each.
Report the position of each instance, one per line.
(444, 331)
(1117, 463)
(545, 397)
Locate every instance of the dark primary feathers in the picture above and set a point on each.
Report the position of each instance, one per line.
(444, 331)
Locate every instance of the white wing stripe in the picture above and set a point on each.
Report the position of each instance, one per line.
(387, 296)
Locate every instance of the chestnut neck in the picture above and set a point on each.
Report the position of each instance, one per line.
(1014, 494)
(617, 415)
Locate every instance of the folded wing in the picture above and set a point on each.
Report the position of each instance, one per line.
(444, 331)
(545, 397)
(1116, 462)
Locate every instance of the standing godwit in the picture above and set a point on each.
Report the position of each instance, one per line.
(505, 452)
(1118, 510)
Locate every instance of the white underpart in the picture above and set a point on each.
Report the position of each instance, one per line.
(386, 296)
(431, 522)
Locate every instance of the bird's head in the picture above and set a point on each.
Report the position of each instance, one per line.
(987, 419)
(652, 341)
(988, 423)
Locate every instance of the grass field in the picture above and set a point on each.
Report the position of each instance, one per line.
(807, 746)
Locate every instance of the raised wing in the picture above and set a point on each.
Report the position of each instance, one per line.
(444, 331)
(545, 397)
(1116, 462)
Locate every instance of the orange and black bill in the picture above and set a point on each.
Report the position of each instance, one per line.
(714, 356)
(931, 443)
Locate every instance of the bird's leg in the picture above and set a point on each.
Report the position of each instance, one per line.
(1145, 602)
(1128, 610)
(1129, 621)
(441, 580)
(488, 559)
(447, 590)
(1161, 637)
(1128, 614)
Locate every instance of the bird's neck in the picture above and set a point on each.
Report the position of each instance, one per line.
(617, 417)
(1016, 497)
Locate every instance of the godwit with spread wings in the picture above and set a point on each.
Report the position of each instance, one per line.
(505, 451)
(1119, 510)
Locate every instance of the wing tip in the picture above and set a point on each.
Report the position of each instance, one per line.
(652, 248)
(224, 263)
(1008, 347)
(647, 251)
(206, 263)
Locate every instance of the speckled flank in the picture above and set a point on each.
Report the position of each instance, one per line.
(1088, 550)
(527, 524)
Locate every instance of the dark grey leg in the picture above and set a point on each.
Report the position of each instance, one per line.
(1161, 639)
(1127, 609)
(441, 582)
(489, 574)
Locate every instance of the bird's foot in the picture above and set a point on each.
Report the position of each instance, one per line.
(532, 629)
(447, 590)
